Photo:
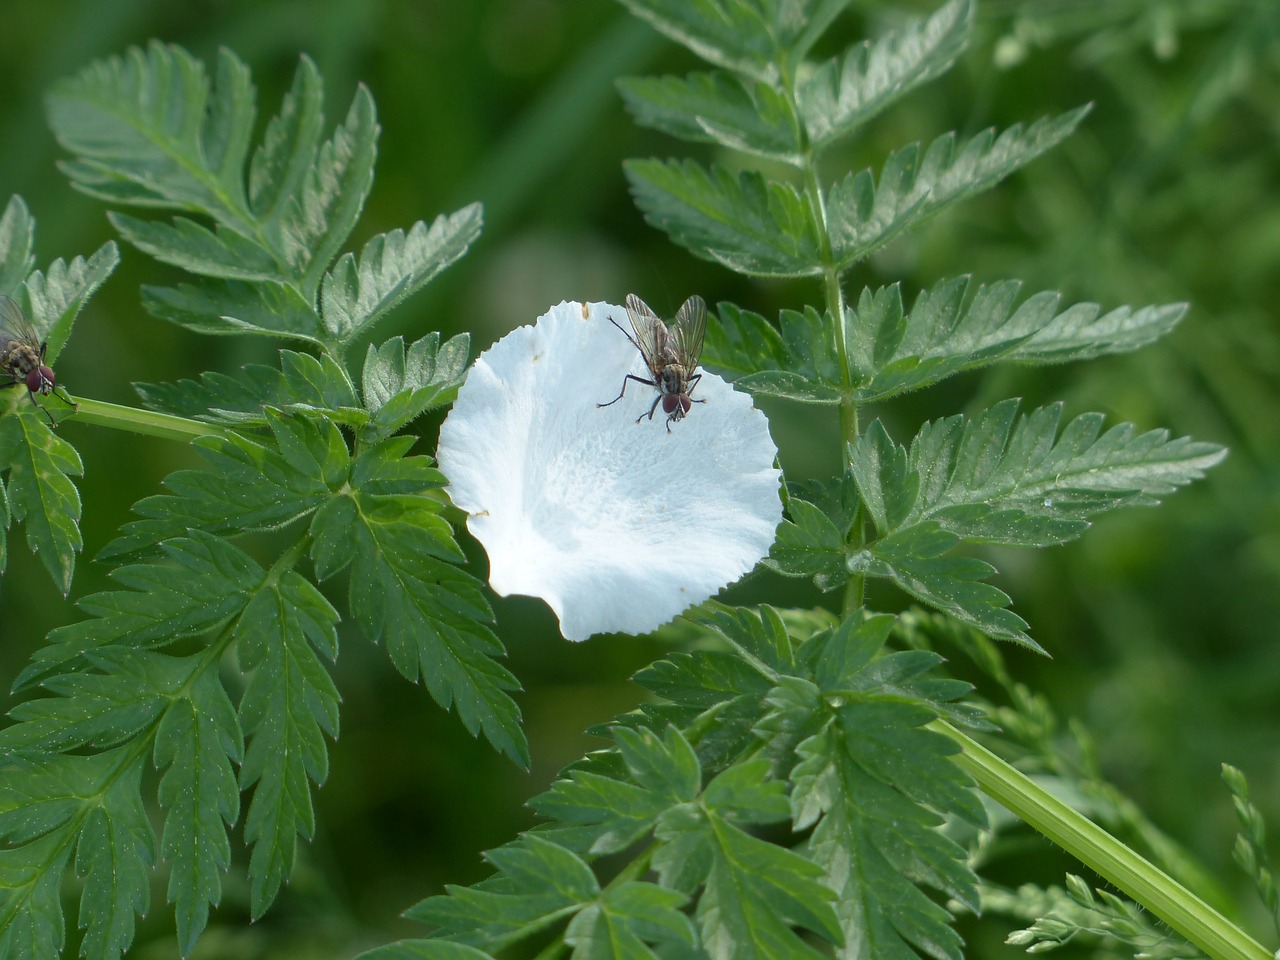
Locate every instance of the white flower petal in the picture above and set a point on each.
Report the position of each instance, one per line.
(618, 525)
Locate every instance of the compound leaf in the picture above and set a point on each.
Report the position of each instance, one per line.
(845, 92)
(716, 108)
(865, 214)
(399, 386)
(747, 223)
(41, 494)
(355, 294)
(287, 709)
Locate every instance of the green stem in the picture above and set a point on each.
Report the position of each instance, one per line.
(1108, 857)
(147, 422)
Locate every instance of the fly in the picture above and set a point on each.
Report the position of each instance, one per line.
(670, 352)
(22, 356)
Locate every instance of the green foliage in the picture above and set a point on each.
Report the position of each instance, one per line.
(1115, 926)
(312, 468)
(38, 490)
(788, 791)
(782, 738)
(151, 130)
(1251, 843)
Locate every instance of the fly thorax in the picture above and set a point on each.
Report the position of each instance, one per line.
(673, 379)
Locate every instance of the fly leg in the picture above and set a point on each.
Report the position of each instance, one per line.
(629, 376)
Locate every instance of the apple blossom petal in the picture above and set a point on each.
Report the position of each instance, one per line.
(619, 526)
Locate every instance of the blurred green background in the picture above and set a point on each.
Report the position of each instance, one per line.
(1162, 623)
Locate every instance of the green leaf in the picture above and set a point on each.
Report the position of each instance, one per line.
(393, 266)
(114, 854)
(843, 93)
(809, 544)
(303, 383)
(1079, 333)
(733, 34)
(151, 132)
(196, 744)
(234, 307)
(96, 709)
(432, 617)
(873, 783)
(17, 241)
(914, 557)
(424, 950)
(754, 892)
(199, 584)
(316, 223)
(31, 921)
(283, 160)
(538, 883)
(949, 330)
(287, 709)
(718, 108)
(625, 920)
(889, 486)
(864, 215)
(40, 491)
(190, 246)
(747, 223)
(57, 297)
(398, 387)
(251, 486)
(604, 809)
(1016, 480)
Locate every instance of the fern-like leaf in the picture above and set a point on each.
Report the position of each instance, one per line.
(865, 214)
(845, 92)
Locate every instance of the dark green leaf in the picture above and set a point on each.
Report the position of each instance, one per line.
(392, 266)
(843, 93)
(97, 709)
(872, 782)
(234, 306)
(198, 585)
(196, 744)
(433, 618)
(303, 382)
(754, 892)
(625, 919)
(809, 544)
(251, 486)
(114, 854)
(398, 387)
(40, 492)
(538, 883)
(747, 223)
(716, 108)
(863, 216)
(219, 252)
(287, 709)
(914, 557)
(31, 921)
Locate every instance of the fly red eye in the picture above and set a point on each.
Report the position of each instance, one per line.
(40, 380)
(671, 403)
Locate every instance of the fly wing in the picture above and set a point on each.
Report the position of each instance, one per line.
(689, 331)
(15, 326)
(651, 333)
